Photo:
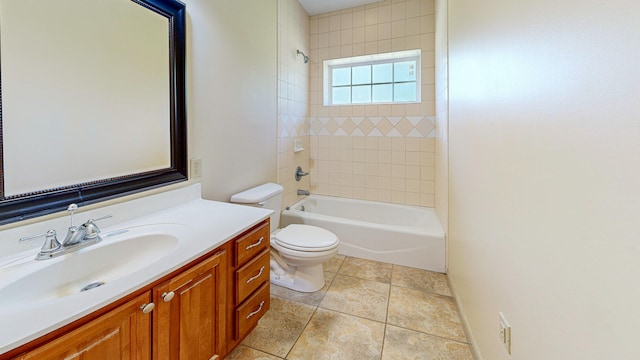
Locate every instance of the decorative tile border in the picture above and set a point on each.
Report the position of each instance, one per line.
(376, 126)
(292, 126)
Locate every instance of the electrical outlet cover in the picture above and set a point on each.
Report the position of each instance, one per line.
(196, 168)
(505, 333)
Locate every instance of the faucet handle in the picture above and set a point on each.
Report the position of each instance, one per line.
(92, 230)
(50, 244)
(72, 208)
(300, 173)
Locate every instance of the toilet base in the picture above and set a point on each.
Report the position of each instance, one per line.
(301, 278)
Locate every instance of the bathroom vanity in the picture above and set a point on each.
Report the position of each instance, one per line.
(184, 278)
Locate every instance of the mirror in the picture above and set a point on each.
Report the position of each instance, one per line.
(93, 101)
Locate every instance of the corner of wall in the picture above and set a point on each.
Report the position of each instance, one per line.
(293, 98)
(475, 351)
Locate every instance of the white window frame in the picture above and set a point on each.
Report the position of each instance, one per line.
(385, 58)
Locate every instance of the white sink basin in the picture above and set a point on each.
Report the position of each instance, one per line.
(117, 256)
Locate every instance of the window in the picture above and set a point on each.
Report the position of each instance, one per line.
(373, 79)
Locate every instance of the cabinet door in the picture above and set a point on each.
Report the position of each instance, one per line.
(123, 333)
(189, 319)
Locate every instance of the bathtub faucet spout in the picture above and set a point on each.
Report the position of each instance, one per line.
(303, 192)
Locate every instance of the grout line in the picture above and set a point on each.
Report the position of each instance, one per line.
(424, 291)
(302, 332)
(341, 263)
(429, 334)
(386, 318)
(262, 351)
(363, 279)
(352, 315)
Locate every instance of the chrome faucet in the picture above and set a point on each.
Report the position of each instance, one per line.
(77, 237)
(303, 192)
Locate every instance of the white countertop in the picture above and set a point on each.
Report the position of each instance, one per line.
(206, 224)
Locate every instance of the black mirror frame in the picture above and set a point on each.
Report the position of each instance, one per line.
(31, 205)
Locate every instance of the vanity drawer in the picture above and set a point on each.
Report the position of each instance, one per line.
(252, 244)
(252, 275)
(248, 314)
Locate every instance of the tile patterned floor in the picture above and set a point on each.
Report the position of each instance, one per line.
(366, 310)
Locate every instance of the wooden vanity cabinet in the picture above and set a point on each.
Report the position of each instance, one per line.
(121, 334)
(200, 311)
(189, 318)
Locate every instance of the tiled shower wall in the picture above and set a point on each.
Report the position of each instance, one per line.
(374, 152)
(293, 95)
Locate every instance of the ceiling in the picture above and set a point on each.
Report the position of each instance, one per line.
(315, 7)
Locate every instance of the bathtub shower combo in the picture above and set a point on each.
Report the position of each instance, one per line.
(398, 234)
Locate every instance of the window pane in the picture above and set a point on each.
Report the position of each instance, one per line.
(382, 73)
(341, 76)
(361, 94)
(404, 92)
(341, 95)
(378, 78)
(404, 71)
(382, 93)
(361, 75)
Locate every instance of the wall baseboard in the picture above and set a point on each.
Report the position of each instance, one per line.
(475, 352)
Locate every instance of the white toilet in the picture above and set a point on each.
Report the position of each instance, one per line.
(297, 251)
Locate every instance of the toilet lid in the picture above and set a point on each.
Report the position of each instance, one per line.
(306, 237)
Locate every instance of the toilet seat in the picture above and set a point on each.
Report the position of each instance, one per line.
(305, 238)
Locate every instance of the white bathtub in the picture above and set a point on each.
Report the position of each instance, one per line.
(398, 234)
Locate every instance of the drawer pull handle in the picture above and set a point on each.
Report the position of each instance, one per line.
(147, 308)
(257, 311)
(166, 297)
(255, 244)
(257, 276)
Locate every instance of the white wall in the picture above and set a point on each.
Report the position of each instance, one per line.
(232, 98)
(544, 201)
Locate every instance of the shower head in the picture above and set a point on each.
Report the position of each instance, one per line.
(305, 57)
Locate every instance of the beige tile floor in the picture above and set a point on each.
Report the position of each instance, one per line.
(367, 310)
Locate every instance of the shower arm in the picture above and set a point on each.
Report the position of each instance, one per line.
(305, 57)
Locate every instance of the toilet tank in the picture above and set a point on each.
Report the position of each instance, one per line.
(267, 195)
